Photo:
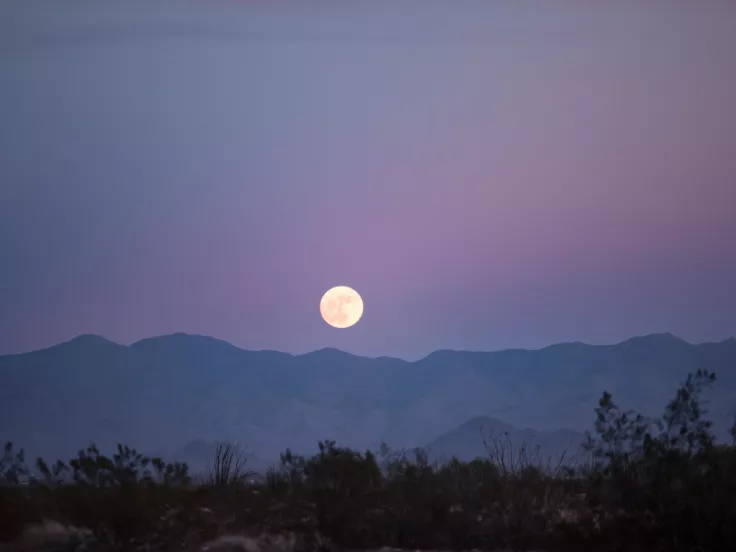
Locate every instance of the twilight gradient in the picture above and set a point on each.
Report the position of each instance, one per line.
(487, 175)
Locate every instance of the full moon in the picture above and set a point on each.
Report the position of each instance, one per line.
(341, 307)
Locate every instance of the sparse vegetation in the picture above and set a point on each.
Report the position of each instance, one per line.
(662, 484)
(228, 465)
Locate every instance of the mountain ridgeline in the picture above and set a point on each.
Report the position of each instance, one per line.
(161, 393)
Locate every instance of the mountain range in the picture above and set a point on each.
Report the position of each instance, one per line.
(163, 393)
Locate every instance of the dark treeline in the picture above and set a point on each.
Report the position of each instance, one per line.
(646, 484)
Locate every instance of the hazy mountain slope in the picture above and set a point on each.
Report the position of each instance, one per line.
(163, 392)
(483, 437)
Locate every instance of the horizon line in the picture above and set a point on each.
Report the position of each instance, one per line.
(667, 335)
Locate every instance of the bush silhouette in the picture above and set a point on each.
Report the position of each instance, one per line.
(228, 465)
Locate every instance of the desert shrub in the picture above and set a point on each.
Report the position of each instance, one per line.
(338, 484)
(228, 465)
(13, 469)
(666, 479)
(118, 498)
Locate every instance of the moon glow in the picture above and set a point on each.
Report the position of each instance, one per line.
(341, 307)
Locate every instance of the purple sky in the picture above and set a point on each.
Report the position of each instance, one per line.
(485, 175)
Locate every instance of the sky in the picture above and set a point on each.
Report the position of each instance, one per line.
(485, 174)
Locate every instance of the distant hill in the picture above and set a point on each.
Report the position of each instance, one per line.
(484, 437)
(164, 392)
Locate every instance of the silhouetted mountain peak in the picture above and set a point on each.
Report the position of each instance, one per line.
(85, 342)
(198, 446)
(483, 435)
(90, 339)
(665, 338)
(181, 339)
(330, 352)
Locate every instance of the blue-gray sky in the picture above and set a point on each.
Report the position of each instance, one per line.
(485, 174)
